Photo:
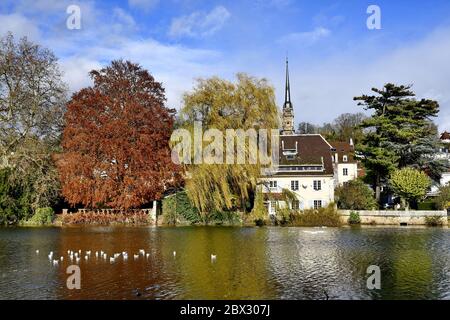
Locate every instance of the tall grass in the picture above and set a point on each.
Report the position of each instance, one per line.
(326, 217)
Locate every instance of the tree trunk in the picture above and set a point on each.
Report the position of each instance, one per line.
(377, 188)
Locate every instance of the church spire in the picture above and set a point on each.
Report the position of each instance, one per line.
(288, 111)
(287, 90)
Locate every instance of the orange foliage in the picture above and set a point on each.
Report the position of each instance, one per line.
(101, 218)
(116, 140)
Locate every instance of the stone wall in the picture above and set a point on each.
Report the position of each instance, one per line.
(381, 217)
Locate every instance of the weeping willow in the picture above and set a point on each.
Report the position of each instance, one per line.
(248, 103)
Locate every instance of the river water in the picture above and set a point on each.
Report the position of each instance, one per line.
(251, 263)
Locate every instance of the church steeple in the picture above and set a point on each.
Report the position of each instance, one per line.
(287, 90)
(288, 110)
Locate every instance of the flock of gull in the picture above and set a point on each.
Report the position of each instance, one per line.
(76, 256)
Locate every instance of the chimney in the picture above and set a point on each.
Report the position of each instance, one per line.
(351, 142)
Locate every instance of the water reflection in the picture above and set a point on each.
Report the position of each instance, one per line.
(252, 263)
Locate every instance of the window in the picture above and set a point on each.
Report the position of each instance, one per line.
(273, 206)
(317, 184)
(345, 158)
(317, 204)
(345, 172)
(273, 184)
(294, 185)
(295, 205)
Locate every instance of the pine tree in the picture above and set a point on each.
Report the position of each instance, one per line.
(399, 133)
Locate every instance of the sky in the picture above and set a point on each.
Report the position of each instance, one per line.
(333, 55)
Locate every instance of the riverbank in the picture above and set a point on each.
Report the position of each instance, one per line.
(327, 217)
(400, 218)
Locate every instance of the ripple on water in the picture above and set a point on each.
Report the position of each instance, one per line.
(252, 263)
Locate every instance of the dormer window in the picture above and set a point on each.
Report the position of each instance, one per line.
(345, 158)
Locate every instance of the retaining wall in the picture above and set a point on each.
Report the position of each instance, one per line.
(382, 217)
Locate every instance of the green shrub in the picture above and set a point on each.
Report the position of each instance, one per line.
(224, 217)
(442, 201)
(43, 216)
(354, 218)
(327, 217)
(355, 195)
(177, 207)
(14, 200)
(434, 221)
(284, 216)
(426, 205)
(410, 185)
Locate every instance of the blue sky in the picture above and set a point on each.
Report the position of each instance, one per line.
(333, 55)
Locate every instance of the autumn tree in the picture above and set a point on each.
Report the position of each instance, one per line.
(32, 104)
(344, 127)
(347, 126)
(115, 141)
(248, 103)
(307, 128)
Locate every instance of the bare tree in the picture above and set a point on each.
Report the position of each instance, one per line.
(32, 104)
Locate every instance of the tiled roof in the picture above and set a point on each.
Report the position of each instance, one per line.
(445, 136)
(344, 149)
(312, 150)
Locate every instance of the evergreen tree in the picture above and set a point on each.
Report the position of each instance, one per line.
(399, 133)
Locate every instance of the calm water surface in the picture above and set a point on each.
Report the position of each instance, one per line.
(252, 263)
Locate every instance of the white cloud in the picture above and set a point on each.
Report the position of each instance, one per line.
(19, 25)
(175, 66)
(124, 20)
(305, 38)
(324, 90)
(199, 24)
(76, 70)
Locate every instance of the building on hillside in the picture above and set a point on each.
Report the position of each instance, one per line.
(309, 167)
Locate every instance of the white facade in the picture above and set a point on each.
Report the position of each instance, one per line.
(311, 191)
(345, 172)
